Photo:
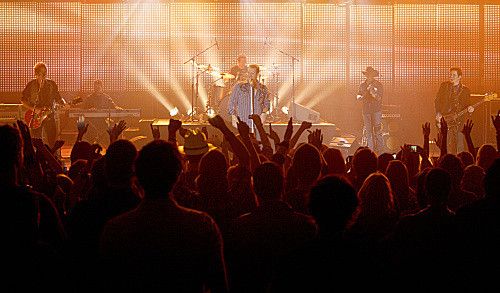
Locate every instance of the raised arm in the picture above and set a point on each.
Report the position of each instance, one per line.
(496, 123)
(47, 156)
(303, 127)
(244, 131)
(466, 130)
(31, 164)
(442, 139)
(117, 129)
(174, 125)
(267, 149)
(426, 131)
(237, 145)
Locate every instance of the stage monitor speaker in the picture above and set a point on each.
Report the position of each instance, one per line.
(346, 143)
(301, 113)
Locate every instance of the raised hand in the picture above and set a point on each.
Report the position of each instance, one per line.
(273, 135)
(315, 138)
(38, 143)
(95, 151)
(243, 129)
(426, 129)
(155, 131)
(117, 129)
(496, 121)
(57, 145)
(305, 125)
(467, 128)
(289, 130)
(439, 141)
(256, 119)
(174, 125)
(217, 122)
(82, 129)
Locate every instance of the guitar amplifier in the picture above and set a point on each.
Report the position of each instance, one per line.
(9, 113)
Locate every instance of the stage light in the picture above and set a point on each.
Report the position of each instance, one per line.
(190, 112)
(211, 113)
(174, 112)
(284, 109)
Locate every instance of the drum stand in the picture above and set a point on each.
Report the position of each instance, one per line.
(268, 43)
(193, 83)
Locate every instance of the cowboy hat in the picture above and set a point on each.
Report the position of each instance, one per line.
(195, 143)
(370, 72)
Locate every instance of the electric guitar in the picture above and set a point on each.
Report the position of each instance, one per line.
(452, 118)
(35, 117)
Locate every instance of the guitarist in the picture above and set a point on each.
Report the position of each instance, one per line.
(41, 95)
(370, 93)
(453, 97)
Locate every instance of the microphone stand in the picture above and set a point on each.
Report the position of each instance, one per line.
(193, 62)
(293, 72)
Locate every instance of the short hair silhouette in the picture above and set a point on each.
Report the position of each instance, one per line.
(307, 162)
(486, 155)
(466, 158)
(438, 185)
(268, 181)
(158, 167)
(332, 202)
(492, 179)
(11, 148)
(119, 160)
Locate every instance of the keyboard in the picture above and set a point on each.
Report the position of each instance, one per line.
(391, 115)
(104, 113)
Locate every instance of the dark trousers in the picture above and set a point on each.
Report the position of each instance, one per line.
(49, 129)
(373, 129)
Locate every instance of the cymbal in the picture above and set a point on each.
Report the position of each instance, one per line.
(226, 75)
(222, 75)
(208, 67)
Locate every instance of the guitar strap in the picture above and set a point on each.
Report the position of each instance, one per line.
(455, 93)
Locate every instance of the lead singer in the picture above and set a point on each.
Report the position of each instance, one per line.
(242, 105)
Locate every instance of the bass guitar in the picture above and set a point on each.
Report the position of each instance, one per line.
(35, 117)
(452, 118)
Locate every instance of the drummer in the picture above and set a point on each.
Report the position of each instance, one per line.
(240, 71)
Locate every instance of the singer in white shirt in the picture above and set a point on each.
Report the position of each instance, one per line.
(241, 103)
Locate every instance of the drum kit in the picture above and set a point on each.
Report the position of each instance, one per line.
(222, 85)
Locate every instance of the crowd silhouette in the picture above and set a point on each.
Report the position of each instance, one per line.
(272, 215)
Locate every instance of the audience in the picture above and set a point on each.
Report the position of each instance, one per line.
(161, 246)
(260, 242)
(160, 219)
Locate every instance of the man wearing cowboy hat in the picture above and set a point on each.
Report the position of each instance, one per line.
(370, 94)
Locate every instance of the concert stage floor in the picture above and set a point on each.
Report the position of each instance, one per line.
(142, 135)
(329, 130)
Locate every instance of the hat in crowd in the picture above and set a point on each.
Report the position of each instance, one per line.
(370, 72)
(195, 143)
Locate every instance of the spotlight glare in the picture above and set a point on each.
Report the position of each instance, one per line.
(174, 112)
(211, 113)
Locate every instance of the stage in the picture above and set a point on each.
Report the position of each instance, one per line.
(329, 130)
